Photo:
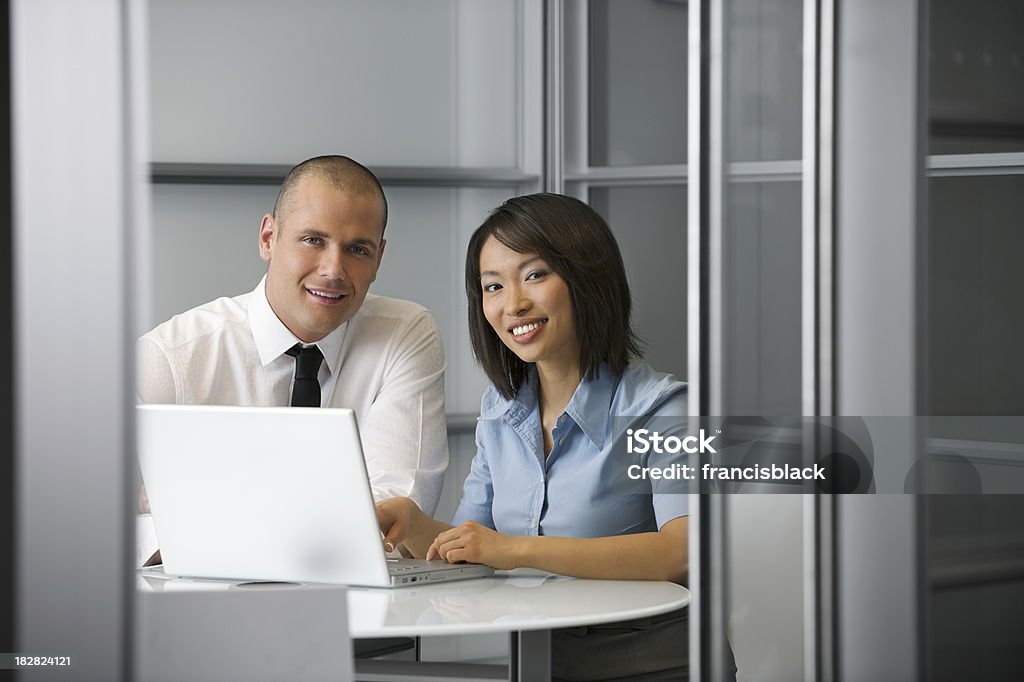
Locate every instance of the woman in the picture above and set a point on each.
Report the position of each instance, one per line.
(549, 319)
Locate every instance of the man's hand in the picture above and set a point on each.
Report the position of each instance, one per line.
(476, 544)
(395, 516)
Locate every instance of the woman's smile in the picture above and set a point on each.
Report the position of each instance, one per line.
(526, 331)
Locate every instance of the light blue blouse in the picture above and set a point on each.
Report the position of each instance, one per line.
(581, 489)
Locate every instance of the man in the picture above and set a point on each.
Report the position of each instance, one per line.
(381, 357)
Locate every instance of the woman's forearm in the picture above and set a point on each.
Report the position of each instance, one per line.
(659, 555)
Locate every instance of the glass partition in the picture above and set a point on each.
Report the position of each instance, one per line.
(975, 328)
(759, 277)
(764, 79)
(975, 331)
(976, 67)
(441, 99)
(761, 299)
(642, 218)
(637, 82)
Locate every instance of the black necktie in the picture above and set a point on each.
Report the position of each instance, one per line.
(306, 391)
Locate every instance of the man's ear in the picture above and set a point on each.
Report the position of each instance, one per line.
(380, 256)
(268, 230)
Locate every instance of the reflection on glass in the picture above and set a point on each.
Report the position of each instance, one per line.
(975, 333)
(637, 60)
(976, 76)
(975, 634)
(760, 346)
(766, 603)
(650, 226)
(761, 290)
(764, 87)
(975, 323)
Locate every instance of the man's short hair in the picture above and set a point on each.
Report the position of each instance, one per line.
(579, 246)
(341, 173)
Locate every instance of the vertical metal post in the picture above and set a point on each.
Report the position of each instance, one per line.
(529, 655)
(577, 93)
(706, 164)
(554, 16)
(8, 486)
(696, 304)
(530, 82)
(77, 177)
(880, 213)
(817, 325)
(818, 206)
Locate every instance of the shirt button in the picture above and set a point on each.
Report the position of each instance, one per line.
(561, 440)
(561, 420)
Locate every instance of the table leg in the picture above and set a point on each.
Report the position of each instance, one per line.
(529, 656)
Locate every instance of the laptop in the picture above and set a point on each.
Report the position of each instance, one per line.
(269, 493)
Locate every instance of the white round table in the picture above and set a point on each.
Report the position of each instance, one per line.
(524, 603)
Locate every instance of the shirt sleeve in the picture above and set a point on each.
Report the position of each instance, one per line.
(156, 378)
(477, 491)
(669, 497)
(404, 430)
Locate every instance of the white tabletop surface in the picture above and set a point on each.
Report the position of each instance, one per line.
(515, 600)
(510, 601)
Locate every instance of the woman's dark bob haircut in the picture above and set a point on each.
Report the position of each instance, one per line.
(578, 245)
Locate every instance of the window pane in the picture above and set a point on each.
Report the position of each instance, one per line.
(761, 290)
(402, 83)
(637, 60)
(759, 350)
(764, 87)
(974, 336)
(975, 325)
(760, 530)
(976, 79)
(650, 226)
(761, 376)
(975, 632)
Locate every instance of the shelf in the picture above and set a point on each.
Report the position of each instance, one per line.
(273, 174)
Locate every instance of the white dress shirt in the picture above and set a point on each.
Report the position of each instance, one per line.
(386, 363)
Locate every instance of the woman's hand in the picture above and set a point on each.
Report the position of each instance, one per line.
(476, 544)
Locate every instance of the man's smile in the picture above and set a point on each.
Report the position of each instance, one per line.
(326, 296)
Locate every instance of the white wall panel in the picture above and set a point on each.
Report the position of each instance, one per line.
(649, 225)
(260, 81)
(204, 244)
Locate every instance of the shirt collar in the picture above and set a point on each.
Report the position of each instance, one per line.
(273, 338)
(589, 407)
(591, 404)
